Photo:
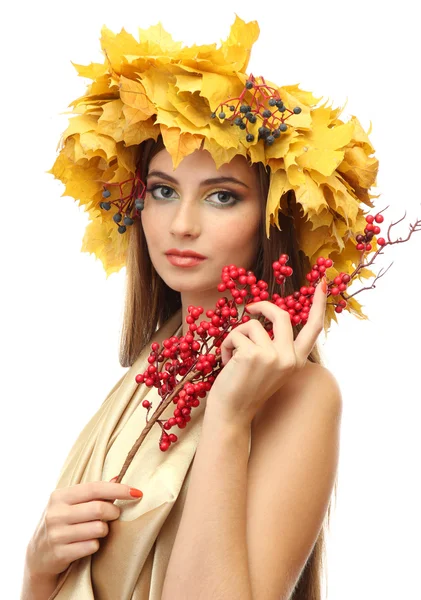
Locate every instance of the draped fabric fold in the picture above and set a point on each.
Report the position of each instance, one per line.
(132, 559)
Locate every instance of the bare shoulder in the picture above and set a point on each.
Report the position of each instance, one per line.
(312, 377)
(313, 387)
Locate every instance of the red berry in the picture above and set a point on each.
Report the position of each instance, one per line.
(360, 246)
(376, 230)
(379, 218)
(328, 263)
(368, 247)
(334, 291)
(381, 241)
(369, 218)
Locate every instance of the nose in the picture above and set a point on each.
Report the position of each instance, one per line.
(186, 220)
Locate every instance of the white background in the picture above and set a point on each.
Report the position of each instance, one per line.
(61, 318)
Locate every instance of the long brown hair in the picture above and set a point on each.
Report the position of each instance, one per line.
(149, 302)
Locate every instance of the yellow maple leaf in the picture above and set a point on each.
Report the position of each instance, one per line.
(179, 144)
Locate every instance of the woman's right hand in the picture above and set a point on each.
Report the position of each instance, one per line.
(72, 522)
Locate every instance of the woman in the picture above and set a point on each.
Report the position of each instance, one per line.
(238, 506)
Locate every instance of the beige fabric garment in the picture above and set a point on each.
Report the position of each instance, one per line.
(132, 560)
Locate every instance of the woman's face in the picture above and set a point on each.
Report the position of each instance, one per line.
(185, 209)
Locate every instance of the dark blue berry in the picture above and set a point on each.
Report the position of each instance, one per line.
(266, 113)
(238, 121)
(276, 133)
(249, 115)
(264, 131)
(232, 108)
(128, 220)
(272, 102)
(297, 110)
(242, 126)
(270, 139)
(139, 204)
(213, 115)
(117, 217)
(106, 194)
(221, 115)
(250, 137)
(244, 108)
(249, 85)
(283, 127)
(121, 229)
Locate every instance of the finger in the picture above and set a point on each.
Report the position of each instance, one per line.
(244, 338)
(100, 490)
(283, 335)
(308, 335)
(87, 511)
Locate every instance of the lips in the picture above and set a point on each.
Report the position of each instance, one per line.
(184, 253)
(184, 261)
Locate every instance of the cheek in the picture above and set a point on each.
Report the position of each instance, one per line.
(149, 225)
(236, 235)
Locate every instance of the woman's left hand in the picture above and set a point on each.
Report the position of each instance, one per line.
(255, 366)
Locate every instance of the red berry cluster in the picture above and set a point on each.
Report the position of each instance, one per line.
(186, 349)
(363, 241)
(183, 355)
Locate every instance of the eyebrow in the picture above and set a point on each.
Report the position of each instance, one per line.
(204, 182)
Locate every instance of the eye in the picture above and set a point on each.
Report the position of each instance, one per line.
(223, 196)
(166, 193)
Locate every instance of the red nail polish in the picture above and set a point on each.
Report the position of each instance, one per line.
(324, 285)
(113, 479)
(136, 493)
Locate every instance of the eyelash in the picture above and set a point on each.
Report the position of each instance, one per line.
(234, 196)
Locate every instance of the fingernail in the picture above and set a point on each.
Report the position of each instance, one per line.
(136, 493)
(324, 285)
(114, 479)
